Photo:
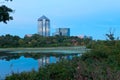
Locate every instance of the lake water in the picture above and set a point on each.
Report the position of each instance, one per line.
(22, 62)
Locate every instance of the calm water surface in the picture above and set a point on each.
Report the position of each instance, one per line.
(22, 63)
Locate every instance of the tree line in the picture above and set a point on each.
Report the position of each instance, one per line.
(36, 40)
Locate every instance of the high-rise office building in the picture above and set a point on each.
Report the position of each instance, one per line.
(62, 32)
(44, 26)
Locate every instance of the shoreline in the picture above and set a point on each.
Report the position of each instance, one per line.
(75, 49)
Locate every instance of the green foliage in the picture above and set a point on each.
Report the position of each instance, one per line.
(40, 41)
(59, 71)
(9, 41)
(24, 76)
(5, 13)
(101, 63)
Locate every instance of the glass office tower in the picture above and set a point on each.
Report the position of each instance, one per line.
(44, 26)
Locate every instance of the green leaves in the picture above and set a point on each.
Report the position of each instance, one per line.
(5, 14)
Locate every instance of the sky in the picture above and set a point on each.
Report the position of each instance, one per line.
(84, 17)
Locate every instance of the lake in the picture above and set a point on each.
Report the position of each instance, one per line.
(26, 59)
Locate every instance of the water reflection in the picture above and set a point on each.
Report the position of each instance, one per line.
(17, 63)
(52, 59)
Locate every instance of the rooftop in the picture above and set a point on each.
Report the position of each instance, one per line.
(43, 17)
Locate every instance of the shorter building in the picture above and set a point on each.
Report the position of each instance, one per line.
(84, 37)
(28, 35)
(62, 32)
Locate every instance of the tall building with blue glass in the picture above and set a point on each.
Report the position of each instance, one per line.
(44, 26)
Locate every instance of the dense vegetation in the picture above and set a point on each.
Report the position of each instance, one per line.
(5, 13)
(36, 40)
(101, 63)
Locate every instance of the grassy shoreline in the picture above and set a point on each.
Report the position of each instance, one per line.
(76, 49)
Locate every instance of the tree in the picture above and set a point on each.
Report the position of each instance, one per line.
(110, 35)
(5, 13)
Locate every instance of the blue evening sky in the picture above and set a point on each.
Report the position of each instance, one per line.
(84, 17)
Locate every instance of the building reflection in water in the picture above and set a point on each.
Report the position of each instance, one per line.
(52, 59)
(43, 61)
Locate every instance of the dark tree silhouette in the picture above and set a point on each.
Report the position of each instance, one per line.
(5, 13)
(110, 35)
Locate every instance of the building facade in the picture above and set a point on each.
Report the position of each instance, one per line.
(44, 26)
(28, 35)
(62, 32)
